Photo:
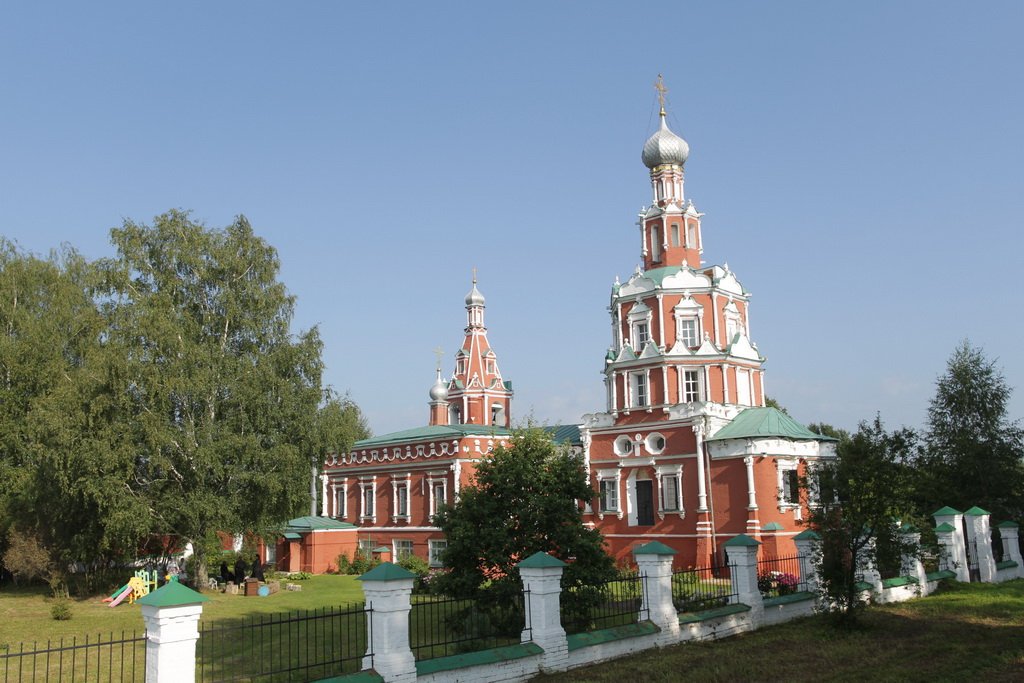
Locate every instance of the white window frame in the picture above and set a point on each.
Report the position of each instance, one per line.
(656, 250)
(688, 331)
(675, 235)
(609, 480)
(399, 488)
(434, 484)
(640, 319)
(687, 393)
(670, 475)
(368, 485)
(640, 389)
(651, 443)
(436, 547)
(783, 467)
(340, 499)
(623, 445)
(397, 554)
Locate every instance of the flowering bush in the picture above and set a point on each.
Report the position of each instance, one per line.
(777, 583)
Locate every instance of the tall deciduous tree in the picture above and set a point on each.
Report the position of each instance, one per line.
(862, 494)
(524, 499)
(222, 396)
(973, 450)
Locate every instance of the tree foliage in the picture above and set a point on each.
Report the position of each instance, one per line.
(524, 499)
(862, 495)
(973, 452)
(159, 394)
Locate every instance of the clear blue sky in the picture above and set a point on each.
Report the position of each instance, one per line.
(859, 165)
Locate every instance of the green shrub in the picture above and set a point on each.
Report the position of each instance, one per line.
(26, 557)
(362, 563)
(344, 564)
(61, 610)
(415, 564)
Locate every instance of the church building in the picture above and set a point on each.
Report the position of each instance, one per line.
(685, 451)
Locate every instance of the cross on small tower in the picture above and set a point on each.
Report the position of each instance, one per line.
(439, 352)
(659, 85)
(474, 275)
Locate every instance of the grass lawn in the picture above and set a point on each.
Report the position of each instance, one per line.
(25, 613)
(972, 632)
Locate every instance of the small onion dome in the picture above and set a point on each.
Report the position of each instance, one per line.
(665, 147)
(439, 392)
(474, 298)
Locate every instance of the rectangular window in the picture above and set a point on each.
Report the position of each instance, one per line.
(655, 244)
(339, 502)
(436, 548)
(675, 234)
(691, 236)
(691, 386)
(743, 387)
(688, 331)
(402, 500)
(670, 493)
(640, 395)
(368, 500)
(642, 335)
(366, 546)
(790, 487)
(402, 549)
(609, 495)
(438, 497)
(490, 366)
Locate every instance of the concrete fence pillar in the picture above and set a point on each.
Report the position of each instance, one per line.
(911, 558)
(171, 614)
(1009, 535)
(741, 554)
(654, 561)
(542, 579)
(388, 588)
(869, 567)
(808, 549)
(979, 534)
(949, 530)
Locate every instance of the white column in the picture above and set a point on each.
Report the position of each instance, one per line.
(949, 530)
(702, 493)
(323, 495)
(171, 615)
(387, 589)
(980, 534)
(911, 559)
(741, 552)
(751, 493)
(869, 568)
(542, 580)
(654, 561)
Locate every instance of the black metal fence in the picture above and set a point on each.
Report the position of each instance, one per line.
(291, 646)
(604, 605)
(114, 658)
(778, 576)
(704, 588)
(440, 626)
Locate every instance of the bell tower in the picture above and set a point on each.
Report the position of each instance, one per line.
(477, 394)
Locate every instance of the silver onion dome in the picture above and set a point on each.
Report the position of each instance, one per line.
(665, 147)
(474, 298)
(439, 392)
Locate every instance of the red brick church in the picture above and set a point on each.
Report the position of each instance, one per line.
(684, 452)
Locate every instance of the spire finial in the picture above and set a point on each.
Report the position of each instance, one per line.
(439, 352)
(659, 85)
(474, 275)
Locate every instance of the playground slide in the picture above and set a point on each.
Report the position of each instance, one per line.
(116, 593)
(121, 596)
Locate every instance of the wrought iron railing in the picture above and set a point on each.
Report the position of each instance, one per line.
(703, 588)
(604, 605)
(114, 658)
(441, 626)
(291, 646)
(778, 576)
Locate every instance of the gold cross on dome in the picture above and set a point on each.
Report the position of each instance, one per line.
(659, 85)
(439, 352)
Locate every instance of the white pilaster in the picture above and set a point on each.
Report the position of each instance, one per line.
(808, 550)
(751, 492)
(702, 494)
(979, 534)
(654, 561)
(949, 531)
(542, 580)
(1009, 533)
(387, 589)
(741, 553)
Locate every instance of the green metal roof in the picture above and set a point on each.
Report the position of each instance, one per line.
(762, 422)
(653, 548)
(569, 434)
(434, 432)
(1007, 525)
(772, 526)
(386, 571)
(807, 535)
(976, 512)
(945, 527)
(172, 594)
(301, 525)
(741, 541)
(292, 536)
(946, 511)
(540, 560)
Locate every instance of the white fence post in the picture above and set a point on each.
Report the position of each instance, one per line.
(388, 588)
(542, 580)
(911, 560)
(980, 533)
(808, 548)
(741, 553)
(171, 614)
(949, 530)
(654, 561)
(1008, 532)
